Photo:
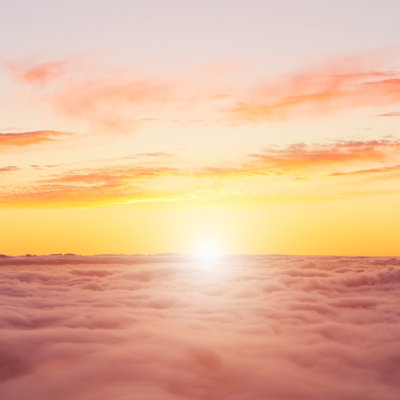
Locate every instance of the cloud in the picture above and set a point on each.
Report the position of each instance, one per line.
(302, 155)
(93, 187)
(309, 160)
(112, 175)
(80, 87)
(10, 128)
(111, 101)
(293, 164)
(10, 168)
(28, 138)
(371, 171)
(42, 167)
(336, 85)
(107, 99)
(391, 114)
(172, 327)
(119, 100)
(40, 73)
(156, 154)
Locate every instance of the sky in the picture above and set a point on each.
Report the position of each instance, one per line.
(246, 127)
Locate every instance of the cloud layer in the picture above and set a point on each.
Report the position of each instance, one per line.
(173, 327)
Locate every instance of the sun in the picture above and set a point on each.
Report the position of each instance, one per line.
(208, 251)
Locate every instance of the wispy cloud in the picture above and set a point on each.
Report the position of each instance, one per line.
(91, 187)
(390, 114)
(40, 73)
(10, 168)
(302, 155)
(108, 99)
(370, 171)
(113, 101)
(293, 164)
(112, 176)
(120, 99)
(336, 85)
(156, 154)
(28, 138)
(304, 161)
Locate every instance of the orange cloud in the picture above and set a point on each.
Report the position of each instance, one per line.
(91, 187)
(75, 196)
(113, 176)
(342, 84)
(28, 138)
(112, 185)
(297, 163)
(370, 171)
(390, 114)
(9, 168)
(302, 160)
(301, 156)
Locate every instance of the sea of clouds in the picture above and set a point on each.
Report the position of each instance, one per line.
(169, 327)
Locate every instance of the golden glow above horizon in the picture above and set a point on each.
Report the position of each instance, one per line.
(130, 149)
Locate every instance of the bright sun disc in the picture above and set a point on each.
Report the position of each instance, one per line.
(208, 251)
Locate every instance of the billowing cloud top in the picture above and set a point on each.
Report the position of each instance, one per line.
(173, 327)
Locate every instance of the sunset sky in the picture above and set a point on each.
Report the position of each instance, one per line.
(199, 199)
(255, 126)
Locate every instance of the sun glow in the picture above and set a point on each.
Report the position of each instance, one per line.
(208, 251)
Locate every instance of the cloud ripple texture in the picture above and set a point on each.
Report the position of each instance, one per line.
(170, 327)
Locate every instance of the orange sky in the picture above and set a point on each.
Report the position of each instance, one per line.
(109, 148)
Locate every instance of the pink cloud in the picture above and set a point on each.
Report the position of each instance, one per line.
(120, 99)
(106, 98)
(40, 73)
(171, 327)
(113, 101)
(338, 84)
